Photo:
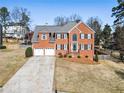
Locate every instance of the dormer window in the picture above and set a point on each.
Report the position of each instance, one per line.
(43, 37)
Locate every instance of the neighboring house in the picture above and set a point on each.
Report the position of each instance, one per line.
(71, 38)
(28, 38)
(15, 30)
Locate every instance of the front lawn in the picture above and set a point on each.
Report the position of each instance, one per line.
(106, 77)
(10, 61)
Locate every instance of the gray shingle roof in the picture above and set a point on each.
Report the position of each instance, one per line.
(56, 29)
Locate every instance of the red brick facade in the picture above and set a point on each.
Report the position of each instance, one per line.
(78, 29)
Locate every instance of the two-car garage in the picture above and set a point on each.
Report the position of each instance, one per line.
(44, 51)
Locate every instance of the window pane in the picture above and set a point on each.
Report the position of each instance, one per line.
(74, 38)
(89, 46)
(43, 37)
(86, 36)
(65, 46)
(85, 47)
(89, 36)
(82, 36)
(82, 46)
(65, 36)
(58, 36)
(58, 47)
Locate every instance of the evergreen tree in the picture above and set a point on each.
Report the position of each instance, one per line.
(106, 33)
(118, 12)
(4, 18)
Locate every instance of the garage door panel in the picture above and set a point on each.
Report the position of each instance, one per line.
(45, 51)
(49, 52)
(38, 52)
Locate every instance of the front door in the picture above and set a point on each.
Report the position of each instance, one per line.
(74, 47)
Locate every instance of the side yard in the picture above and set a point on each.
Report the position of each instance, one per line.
(11, 59)
(106, 77)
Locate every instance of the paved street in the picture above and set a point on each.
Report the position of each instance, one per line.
(36, 76)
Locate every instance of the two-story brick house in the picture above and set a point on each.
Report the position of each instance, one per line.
(71, 38)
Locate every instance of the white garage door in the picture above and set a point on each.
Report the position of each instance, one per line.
(38, 52)
(45, 51)
(49, 51)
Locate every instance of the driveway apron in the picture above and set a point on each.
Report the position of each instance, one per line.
(36, 76)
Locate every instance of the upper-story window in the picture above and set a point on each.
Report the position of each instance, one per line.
(65, 36)
(74, 37)
(58, 36)
(82, 36)
(86, 36)
(89, 36)
(43, 37)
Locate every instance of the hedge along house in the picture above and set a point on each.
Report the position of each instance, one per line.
(75, 38)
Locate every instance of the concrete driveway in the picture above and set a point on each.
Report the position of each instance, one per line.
(36, 76)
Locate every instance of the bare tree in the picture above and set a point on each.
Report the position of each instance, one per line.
(16, 15)
(20, 15)
(95, 24)
(75, 17)
(60, 20)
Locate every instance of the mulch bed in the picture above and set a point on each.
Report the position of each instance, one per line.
(79, 60)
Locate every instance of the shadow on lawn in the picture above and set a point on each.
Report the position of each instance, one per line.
(120, 73)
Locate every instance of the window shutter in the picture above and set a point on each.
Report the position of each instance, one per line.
(61, 47)
(61, 36)
(56, 46)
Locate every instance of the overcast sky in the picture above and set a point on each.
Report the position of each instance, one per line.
(44, 11)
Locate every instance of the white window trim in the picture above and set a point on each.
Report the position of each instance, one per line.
(58, 47)
(82, 36)
(82, 46)
(58, 37)
(89, 46)
(65, 36)
(89, 36)
(65, 46)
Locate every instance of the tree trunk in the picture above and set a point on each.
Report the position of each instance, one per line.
(1, 36)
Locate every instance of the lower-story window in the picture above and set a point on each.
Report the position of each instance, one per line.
(87, 47)
(65, 46)
(58, 46)
(82, 46)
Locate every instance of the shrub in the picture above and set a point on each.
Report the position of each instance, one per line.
(70, 56)
(60, 55)
(29, 52)
(78, 56)
(96, 57)
(86, 56)
(65, 56)
(2, 47)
